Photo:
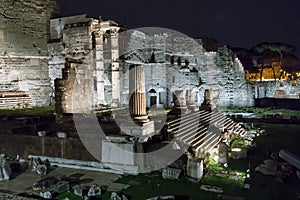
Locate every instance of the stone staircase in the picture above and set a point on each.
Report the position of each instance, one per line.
(202, 130)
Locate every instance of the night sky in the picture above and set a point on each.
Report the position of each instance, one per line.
(238, 23)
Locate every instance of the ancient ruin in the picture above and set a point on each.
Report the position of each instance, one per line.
(171, 62)
(24, 54)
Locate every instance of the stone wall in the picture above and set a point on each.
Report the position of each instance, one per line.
(224, 74)
(290, 89)
(74, 91)
(67, 40)
(81, 37)
(71, 148)
(170, 63)
(23, 47)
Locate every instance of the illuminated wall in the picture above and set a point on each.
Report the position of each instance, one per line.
(24, 30)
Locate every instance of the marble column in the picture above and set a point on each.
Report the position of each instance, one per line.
(137, 102)
(115, 66)
(142, 127)
(100, 68)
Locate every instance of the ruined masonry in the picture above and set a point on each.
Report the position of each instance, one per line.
(94, 43)
(171, 63)
(35, 50)
(24, 74)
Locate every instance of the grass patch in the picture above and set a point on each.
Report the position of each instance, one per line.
(158, 111)
(46, 110)
(155, 186)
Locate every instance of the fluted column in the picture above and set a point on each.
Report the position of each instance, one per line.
(137, 102)
(100, 68)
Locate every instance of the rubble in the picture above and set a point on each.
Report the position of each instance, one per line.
(114, 196)
(78, 189)
(36, 165)
(45, 183)
(280, 170)
(41, 133)
(61, 187)
(162, 197)
(41, 170)
(210, 188)
(5, 171)
(46, 195)
(94, 191)
(268, 168)
(171, 173)
(62, 135)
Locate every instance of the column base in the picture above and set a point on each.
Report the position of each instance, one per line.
(141, 129)
(101, 102)
(193, 108)
(141, 119)
(178, 111)
(115, 103)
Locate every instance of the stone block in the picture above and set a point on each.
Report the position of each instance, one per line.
(78, 190)
(5, 170)
(171, 173)
(61, 187)
(195, 169)
(94, 191)
(238, 153)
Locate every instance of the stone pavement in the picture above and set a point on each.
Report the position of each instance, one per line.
(23, 182)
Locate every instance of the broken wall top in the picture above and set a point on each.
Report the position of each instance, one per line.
(57, 25)
(25, 26)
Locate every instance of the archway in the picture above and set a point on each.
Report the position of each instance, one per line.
(153, 97)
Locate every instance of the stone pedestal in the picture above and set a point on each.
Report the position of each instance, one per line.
(180, 106)
(208, 103)
(223, 153)
(238, 153)
(195, 169)
(144, 129)
(179, 99)
(190, 101)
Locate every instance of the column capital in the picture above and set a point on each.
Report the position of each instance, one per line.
(114, 31)
(100, 32)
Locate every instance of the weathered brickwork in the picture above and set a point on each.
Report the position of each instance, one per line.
(23, 47)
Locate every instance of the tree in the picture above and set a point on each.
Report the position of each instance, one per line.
(266, 52)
